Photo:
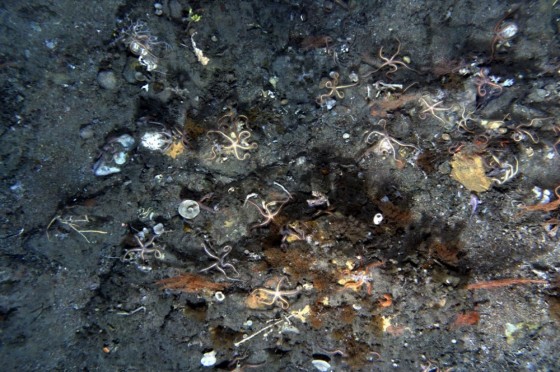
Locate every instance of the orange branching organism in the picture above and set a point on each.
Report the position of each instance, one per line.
(468, 318)
(504, 283)
(547, 207)
(191, 283)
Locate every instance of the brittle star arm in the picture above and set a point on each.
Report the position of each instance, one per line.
(226, 250)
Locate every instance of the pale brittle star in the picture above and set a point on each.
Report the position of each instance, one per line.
(335, 89)
(221, 265)
(269, 297)
(392, 63)
(143, 248)
(509, 171)
(74, 224)
(463, 122)
(238, 142)
(385, 144)
(266, 208)
(432, 109)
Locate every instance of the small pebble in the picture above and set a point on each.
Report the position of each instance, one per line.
(87, 132)
(107, 80)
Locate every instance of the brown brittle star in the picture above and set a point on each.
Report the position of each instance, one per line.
(432, 110)
(221, 265)
(238, 142)
(392, 63)
(482, 80)
(265, 208)
(335, 89)
(270, 297)
(520, 134)
(385, 144)
(142, 249)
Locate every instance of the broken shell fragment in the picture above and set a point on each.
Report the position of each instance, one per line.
(189, 209)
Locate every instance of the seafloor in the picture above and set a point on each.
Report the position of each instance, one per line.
(365, 185)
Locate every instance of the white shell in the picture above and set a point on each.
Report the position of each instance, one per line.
(189, 209)
(120, 157)
(219, 296)
(101, 169)
(208, 359)
(377, 219)
(126, 140)
(508, 30)
(321, 365)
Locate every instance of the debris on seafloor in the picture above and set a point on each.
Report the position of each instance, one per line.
(469, 171)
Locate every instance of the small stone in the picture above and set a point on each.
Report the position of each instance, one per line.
(107, 80)
(159, 229)
(87, 132)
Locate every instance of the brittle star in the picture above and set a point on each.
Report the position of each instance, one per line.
(482, 80)
(519, 134)
(232, 121)
(266, 206)
(334, 88)
(432, 109)
(509, 170)
(276, 294)
(464, 121)
(238, 141)
(385, 143)
(390, 62)
(142, 249)
(221, 265)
